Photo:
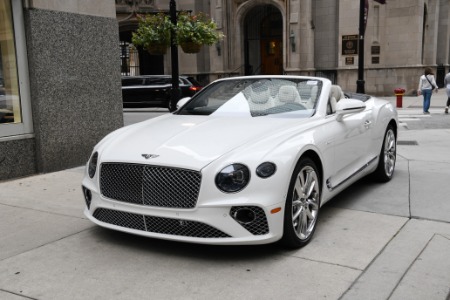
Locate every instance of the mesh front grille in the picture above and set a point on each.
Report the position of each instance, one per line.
(259, 225)
(158, 224)
(150, 185)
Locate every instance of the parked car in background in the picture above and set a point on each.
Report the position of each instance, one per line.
(155, 90)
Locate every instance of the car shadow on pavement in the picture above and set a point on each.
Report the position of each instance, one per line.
(200, 252)
(354, 193)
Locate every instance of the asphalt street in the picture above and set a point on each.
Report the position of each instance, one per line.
(373, 241)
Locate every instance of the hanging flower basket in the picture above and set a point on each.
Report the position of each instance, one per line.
(153, 33)
(157, 49)
(190, 47)
(194, 31)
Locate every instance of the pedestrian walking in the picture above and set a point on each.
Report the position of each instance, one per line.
(447, 87)
(427, 84)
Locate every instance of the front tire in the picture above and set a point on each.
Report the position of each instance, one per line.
(388, 156)
(302, 205)
(171, 106)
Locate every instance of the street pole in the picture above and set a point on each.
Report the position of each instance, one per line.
(175, 92)
(360, 82)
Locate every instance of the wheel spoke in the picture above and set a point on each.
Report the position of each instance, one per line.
(296, 203)
(310, 188)
(304, 224)
(312, 203)
(301, 225)
(298, 188)
(297, 214)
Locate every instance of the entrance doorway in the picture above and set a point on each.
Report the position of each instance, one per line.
(263, 34)
(137, 61)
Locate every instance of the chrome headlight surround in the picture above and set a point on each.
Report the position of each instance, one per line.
(233, 178)
(92, 167)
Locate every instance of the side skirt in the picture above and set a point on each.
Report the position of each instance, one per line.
(332, 188)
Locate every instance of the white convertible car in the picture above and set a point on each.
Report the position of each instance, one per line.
(248, 160)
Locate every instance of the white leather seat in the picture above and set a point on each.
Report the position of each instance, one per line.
(288, 94)
(336, 92)
(260, 99)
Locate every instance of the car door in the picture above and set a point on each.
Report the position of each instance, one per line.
(158, 90)
(351, 145)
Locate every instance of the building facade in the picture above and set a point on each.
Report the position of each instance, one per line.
(60, 64)
(59, 83)
(308, 37)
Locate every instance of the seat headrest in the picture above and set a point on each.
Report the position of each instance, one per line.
(260, 95)
(336, 92)
(288, 94)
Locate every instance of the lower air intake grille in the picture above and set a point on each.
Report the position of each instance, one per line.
(259, 225)
(158, 224)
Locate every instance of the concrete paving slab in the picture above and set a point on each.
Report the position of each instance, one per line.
(434, 145)
(23, 230)
(9, 296)
(430, 190)
(388, 269)
(350, 238)
(391, 198)
(102, 264)
(429, 276)
(58, 192)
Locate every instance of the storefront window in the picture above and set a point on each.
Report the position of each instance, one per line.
(10, 109)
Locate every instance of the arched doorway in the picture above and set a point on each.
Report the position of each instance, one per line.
(263, 41)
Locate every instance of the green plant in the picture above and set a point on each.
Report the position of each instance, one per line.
(153, 29)
(198, 29)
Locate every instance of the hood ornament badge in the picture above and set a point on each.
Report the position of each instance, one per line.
(147, 156)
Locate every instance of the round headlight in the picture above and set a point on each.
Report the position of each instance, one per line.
(233, 178)
(93, 165)
(266, 169)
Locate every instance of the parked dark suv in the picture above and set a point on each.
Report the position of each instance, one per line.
(154, 90)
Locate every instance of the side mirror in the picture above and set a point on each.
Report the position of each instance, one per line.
(348, 106)
(182, 102)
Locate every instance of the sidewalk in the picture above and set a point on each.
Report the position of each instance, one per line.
(373, 241)
(414, 104)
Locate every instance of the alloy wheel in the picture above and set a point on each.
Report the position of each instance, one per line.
(305, 202)
(389, 153)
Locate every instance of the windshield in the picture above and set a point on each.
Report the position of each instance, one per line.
(254, 97)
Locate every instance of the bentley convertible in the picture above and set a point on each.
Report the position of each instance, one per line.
(248, 160)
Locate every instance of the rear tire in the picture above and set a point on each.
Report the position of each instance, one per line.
(302, 205)
(388, 156)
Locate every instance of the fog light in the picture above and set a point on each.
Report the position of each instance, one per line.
(87, 197)
(244, 215)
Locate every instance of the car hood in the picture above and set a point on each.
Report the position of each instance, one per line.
(187, 141)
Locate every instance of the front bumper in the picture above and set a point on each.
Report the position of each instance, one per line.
(204, 224)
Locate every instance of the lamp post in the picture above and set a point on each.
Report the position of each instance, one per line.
(360, 82)
(175, 92)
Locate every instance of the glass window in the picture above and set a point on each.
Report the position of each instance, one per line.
(10, 110)
(257, 97)
(15, 105)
